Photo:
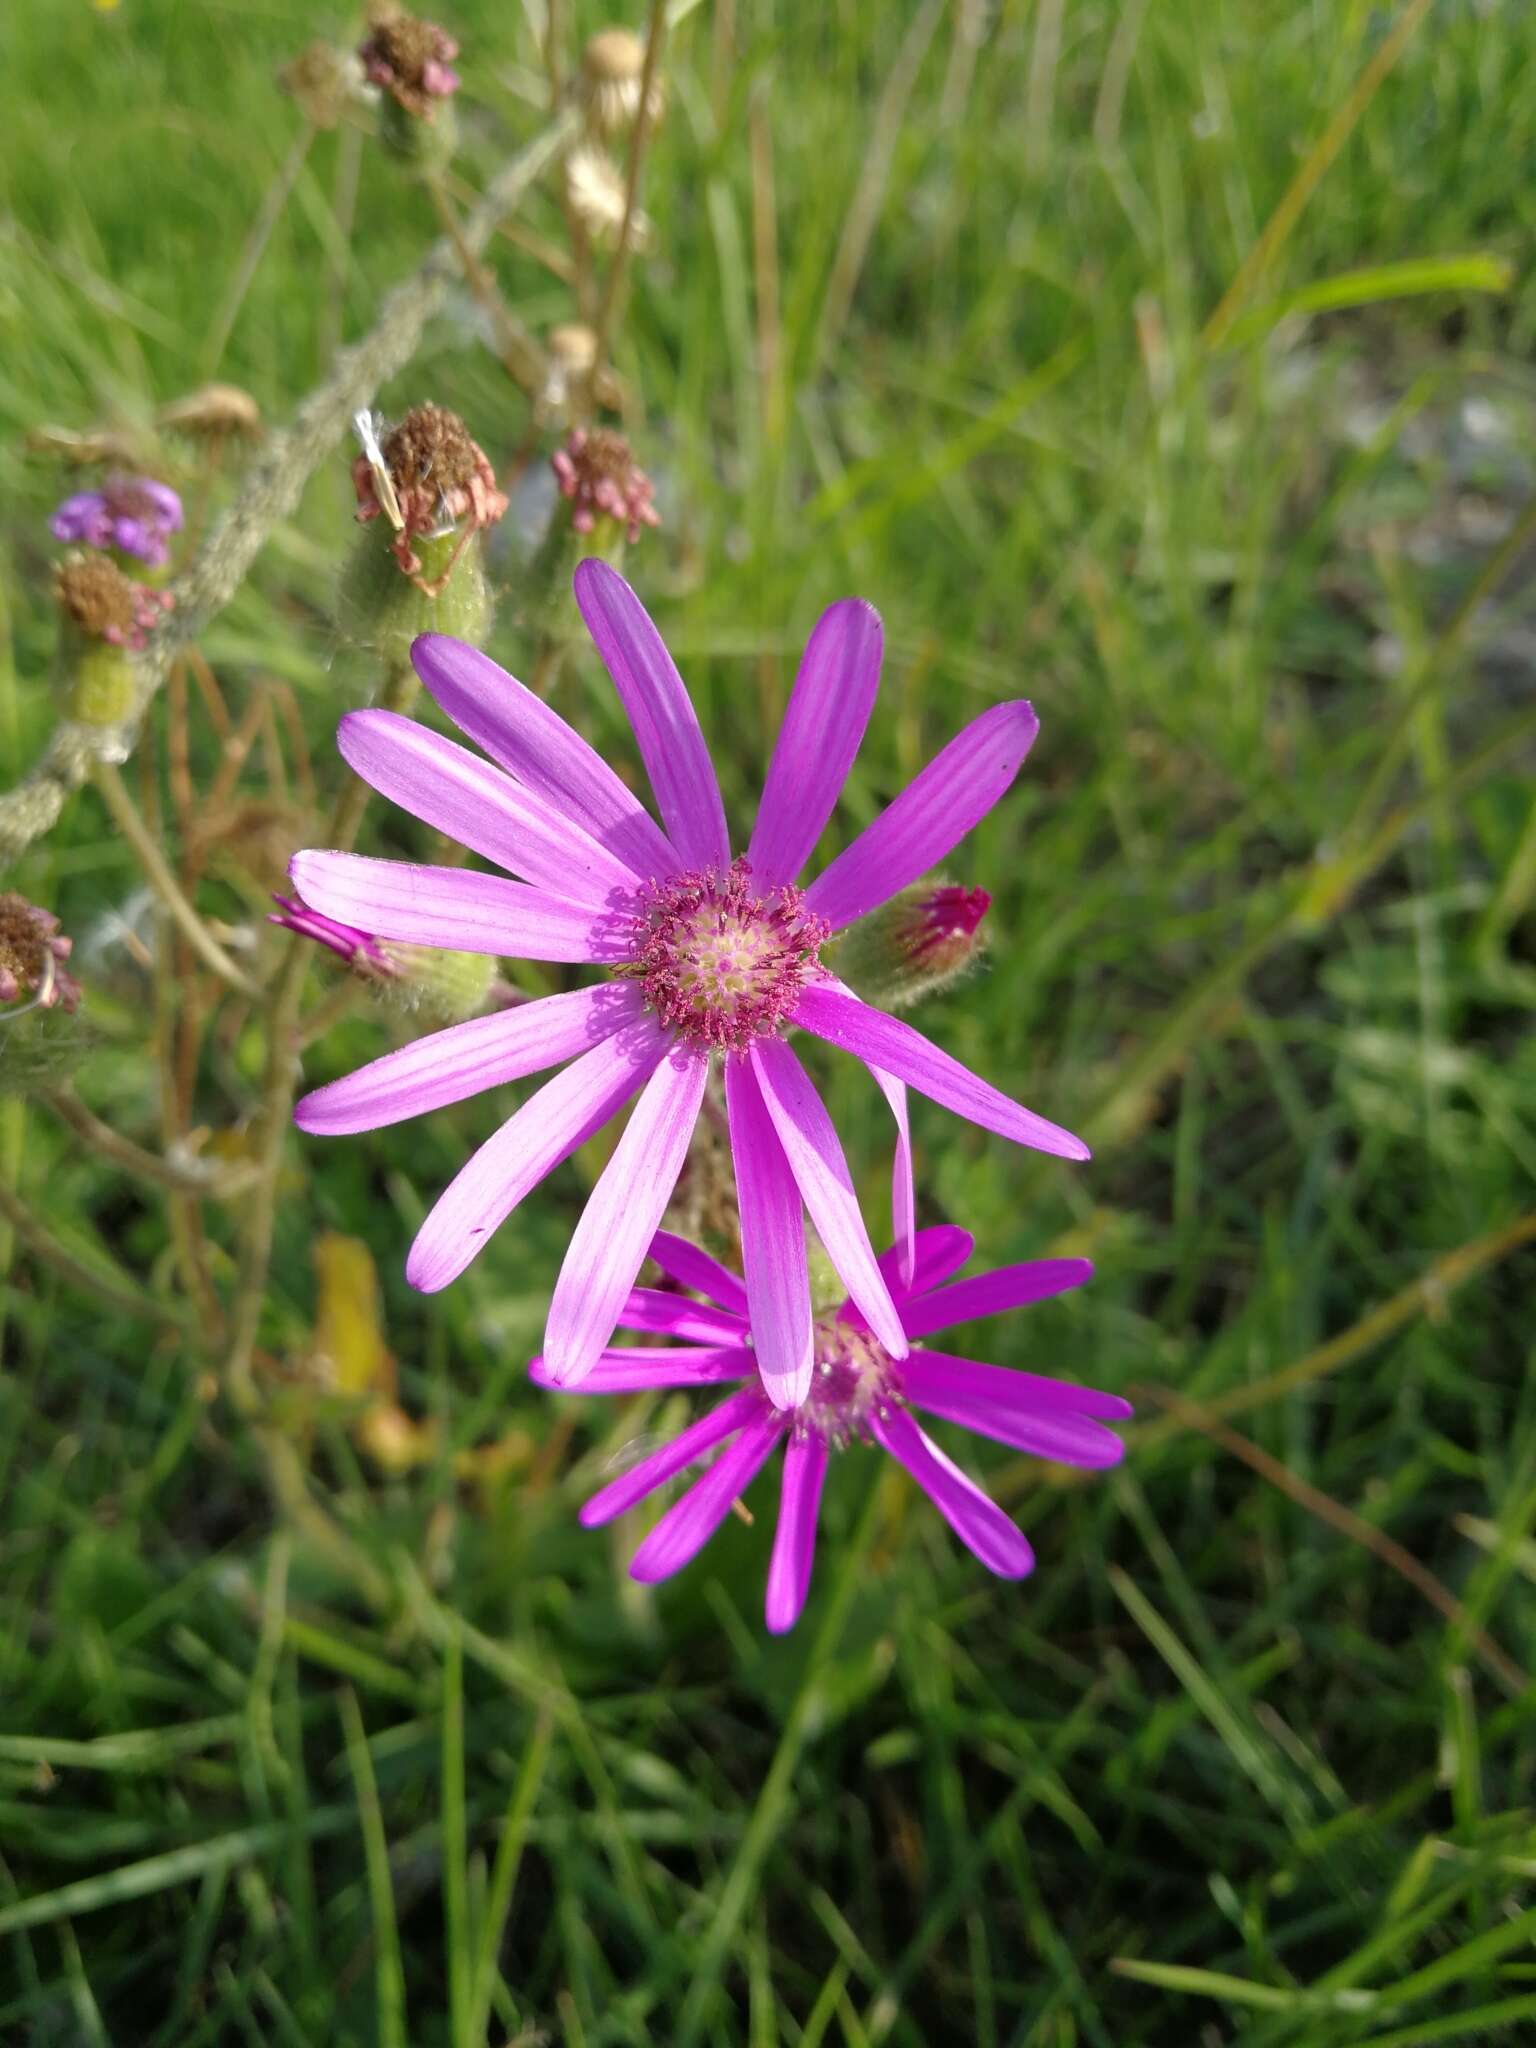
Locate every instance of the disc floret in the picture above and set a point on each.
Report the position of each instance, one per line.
(855, 1381)
(721, 960)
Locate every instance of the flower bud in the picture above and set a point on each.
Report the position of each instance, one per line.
(107, 617)
(410, 61)
(433, 492)
(452, 986)
(609, 83)
(922, 941)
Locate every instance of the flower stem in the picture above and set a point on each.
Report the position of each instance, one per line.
(193, 1176)
(639, 137)
(157, 872)
(286, 996)
(113, 1285)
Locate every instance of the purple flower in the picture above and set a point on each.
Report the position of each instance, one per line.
(860, 1393)
(709, 955)
(133, 514)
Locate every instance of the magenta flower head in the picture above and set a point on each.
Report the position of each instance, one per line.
(710, 958)
(859, 1393)
(133, 514)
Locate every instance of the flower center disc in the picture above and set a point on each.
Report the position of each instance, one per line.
(722, 963)
(854, 1378)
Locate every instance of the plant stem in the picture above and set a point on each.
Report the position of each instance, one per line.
(157, 872)
(286, 996)
(641, 134)
(256, 241)
(191, 1177)
(114, 1287)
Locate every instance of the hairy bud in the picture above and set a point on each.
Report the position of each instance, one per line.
(920, 942)
(451, 986)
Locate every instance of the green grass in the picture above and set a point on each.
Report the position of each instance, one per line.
(1262, 929)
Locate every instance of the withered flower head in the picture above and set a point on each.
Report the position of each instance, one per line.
(104, 604)
(95, 444)
(411, 60)
(214, 412)
(594, 185)
(438, 475)
(596, 470)
(322, 81)
(612, 71)
(32, 956)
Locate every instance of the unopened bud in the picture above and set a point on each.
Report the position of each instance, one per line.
(609, 83)
(923, 940)
(107, 617)
(429, 491)
(452, 986)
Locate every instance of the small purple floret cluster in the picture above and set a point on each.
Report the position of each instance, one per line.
(709, 957)
(133, 515)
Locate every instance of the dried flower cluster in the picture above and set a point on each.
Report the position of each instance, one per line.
(440, 479)
(412, 61)
(32, 956)
(597, 471)
(104, 604)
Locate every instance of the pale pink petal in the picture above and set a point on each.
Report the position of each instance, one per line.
(536, 745)
(548, 1128)
(691, 1520)
(772, 1241)
(690, 1267)
(665, 722)
(988, 1294)
(979, 1523)
(695, 1322)
(794, 1542)
(828, 710)
(821, 1172)
(883, 1041)
(486, 1052)
(1048, 1418)
(457, 908)
(481, 807)
(933, 813)
(644, 1368)
(684, 1450)
(620, 1219)
(938, 1251)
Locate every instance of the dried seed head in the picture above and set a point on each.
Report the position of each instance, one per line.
(411, 60)
(96, 444)
(323, 80)
(432, 474)
(594, 185)
(104, 604)
(596, 470)
(572, 351)
(612, 71)
(32, 956)
(214, 412)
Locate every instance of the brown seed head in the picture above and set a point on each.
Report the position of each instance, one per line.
(442, 478)
(32, 954)
(410, 59)
(214, 411)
